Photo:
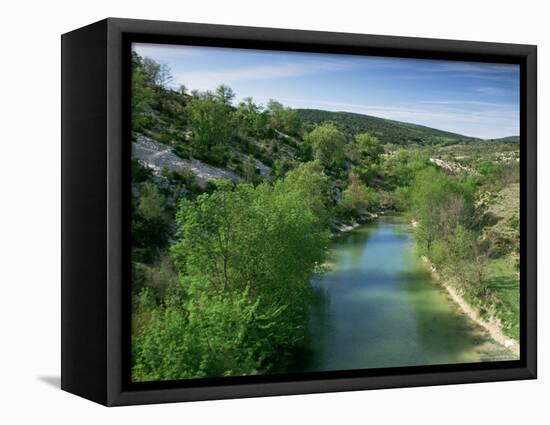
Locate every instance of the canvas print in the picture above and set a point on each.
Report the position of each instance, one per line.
(301, 212)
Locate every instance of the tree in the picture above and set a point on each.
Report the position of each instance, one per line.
(369, 148)
(183, 89)
(225, 94)
(212, 126)
(240, 235)
(208, 337)
(250, 117)
(403, 166)
(164, 77)
(328, 143)
(310, 183)
(366, 154)
(466, 254)
(151, 71)
(142, 94)
(157, 75)
(150, 223)
(440, 203)
(245, 257)
(286, 120)
(357, 198)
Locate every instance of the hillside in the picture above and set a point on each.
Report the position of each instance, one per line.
(509, 139)
(387, 131)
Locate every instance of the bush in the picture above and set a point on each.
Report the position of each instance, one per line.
(157, 279)
(150, 223)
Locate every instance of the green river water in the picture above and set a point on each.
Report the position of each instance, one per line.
(379, 307)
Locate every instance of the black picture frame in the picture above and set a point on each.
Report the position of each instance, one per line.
(95, 211)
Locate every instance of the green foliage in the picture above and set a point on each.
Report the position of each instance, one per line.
(498, 176)
(402, 167)
(388, 131)
(328, 143)
(365, 153)
(440, 203)
(142, 94)
(245, 257)
(251, 119)
(150, 223)
(357, 198)
(155, 106)
(209, 336)
(212, 127)
(181, 182)
(224, 234)
(284, 119)
(487, 168)
(280, 168)
(158, 278)
(369, 148)
(225, 94)
(308, 182)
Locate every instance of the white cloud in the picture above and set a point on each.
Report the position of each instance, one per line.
(207, 80)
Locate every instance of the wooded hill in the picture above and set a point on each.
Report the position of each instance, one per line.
(387, 131)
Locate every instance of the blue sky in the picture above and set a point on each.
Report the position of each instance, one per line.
(470, 98)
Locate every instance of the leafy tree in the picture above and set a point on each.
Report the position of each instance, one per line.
(225, 94)
(206, 338)
(151, 70)
(313, 187)
(245, 258)
(212, 127)
(357, 198)
(369, 148)
(402, 167)
(328, 143)
(284, 119)
(250, 118)
(164, 77)
(155, 105)
(157, 75)
(142, 94)
(465, 254)
(440, 203)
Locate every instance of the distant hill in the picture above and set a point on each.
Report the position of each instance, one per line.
(387, 131)
(509, 139)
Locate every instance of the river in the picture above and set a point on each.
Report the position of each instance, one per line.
(379, 307)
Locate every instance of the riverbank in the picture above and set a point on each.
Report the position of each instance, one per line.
(343, 227)
(492, 326)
